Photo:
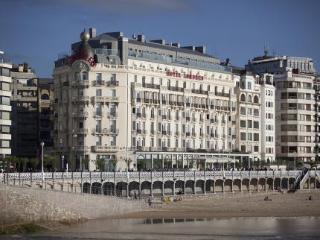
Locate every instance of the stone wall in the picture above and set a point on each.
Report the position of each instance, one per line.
(20, 204)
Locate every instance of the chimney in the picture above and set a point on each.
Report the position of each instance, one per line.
(25, 67)
(201, 49)
(141, 38)
(92, 32)
(20, 68)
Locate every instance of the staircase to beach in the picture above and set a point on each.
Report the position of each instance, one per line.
(300, 180)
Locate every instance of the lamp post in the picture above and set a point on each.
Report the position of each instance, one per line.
(42, 144)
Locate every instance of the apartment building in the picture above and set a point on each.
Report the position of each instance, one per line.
(132, 101)
(24, 102)
(255, 119)
(316, 86)
(5, 108)
(295, 123)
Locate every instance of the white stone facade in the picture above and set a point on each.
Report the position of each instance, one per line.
(5, 108)
(256, 115)
(108, 111)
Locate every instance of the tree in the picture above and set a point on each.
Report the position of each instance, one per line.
(51, 161)
(100, 164)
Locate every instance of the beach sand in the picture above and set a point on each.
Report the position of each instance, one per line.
(236, 205)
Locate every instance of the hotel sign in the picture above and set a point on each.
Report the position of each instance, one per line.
(184, 75)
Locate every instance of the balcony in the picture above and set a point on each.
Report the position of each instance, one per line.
(112, 115)
(112, 83)
(177, 89)
(181, 104)
(199, 91)
(98, 83)
(153, 86)
(110, 131)
(83, 83)
(140, 131)
(105, 148)
(221, 94)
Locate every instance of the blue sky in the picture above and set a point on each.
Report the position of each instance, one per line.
(36, 31)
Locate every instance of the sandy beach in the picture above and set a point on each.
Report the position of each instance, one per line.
(237, 205)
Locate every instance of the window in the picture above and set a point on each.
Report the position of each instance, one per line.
(99, 92)
(4, 129)
(4, 72)
(113, 77)
(5, 86)
(249, 123)
(243, 123)
(249, 85)
(243, 111)
(5, 143)
(243, 136)
(5, 100)
(256, 136)
(5, 115)
(256, 124)
(256, 99)
(243, 98)
(84, 76)
(99, 77)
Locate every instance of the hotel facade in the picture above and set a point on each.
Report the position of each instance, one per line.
(134, 104)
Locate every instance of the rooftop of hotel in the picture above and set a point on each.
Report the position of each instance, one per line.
(109, 44)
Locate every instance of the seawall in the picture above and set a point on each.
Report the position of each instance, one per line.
(24, 204)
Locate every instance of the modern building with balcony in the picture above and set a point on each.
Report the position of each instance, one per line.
(139, 104)
(295, 96)
(5, 108)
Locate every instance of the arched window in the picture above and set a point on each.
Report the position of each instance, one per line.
(243, 98)
(45, 96)
(84, 76)
(249, 98)
(256, 99)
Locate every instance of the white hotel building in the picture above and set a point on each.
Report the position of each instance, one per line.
(140, 104)
(5, 108)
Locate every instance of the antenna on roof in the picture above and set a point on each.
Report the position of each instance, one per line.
(265, 50)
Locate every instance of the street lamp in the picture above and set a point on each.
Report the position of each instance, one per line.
(42, 144)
